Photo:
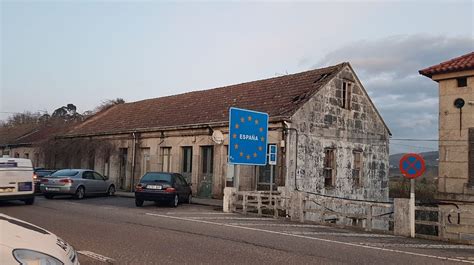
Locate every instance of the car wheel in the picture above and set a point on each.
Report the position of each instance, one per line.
(175, 201)
(29, 201)
(190, 198)
(111, 191)
(48, 196)
(138, 202)
(80, 192)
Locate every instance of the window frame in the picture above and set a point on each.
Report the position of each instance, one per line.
(346, 94)
(461, 81)
(329, 167)
(163, 155)
(357, 166)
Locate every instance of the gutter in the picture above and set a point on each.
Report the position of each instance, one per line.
(164, 128)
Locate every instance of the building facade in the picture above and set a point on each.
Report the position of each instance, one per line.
(456, 145)
(330, 137)
(456, 127)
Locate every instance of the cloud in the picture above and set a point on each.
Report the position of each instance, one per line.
(388, 68)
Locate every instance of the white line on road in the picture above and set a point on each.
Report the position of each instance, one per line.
(433, 246)
(232, 218)
(337, 234)
(96, 256)
(312, 238)
(283, 225)
(203, 213)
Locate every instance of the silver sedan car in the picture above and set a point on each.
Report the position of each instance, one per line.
(76, 182)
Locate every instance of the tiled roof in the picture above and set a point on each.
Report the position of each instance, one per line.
(279, 97)
(9, 134)
(31, 133)
(465, 62)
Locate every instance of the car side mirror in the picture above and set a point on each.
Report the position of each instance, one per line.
(106, 177)
(190, 184)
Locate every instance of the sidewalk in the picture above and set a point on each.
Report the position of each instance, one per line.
(196, 200)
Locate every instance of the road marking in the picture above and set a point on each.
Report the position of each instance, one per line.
(338, 234)
(283, 225)
(96, 256)
(204, 213)
(312, 238)
(432, 246)
(232, 218)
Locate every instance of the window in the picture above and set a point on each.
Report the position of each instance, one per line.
(471, 157)
(346, 95)
(357, 168)
(329, 167)
(145, 163)
(165, 159)
(187, 159)
(462, 81)
(207, 159)
(27, 156)
(156, 177)
(97, 176)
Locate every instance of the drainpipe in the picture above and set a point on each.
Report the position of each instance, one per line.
(288, 129)
(134, 152)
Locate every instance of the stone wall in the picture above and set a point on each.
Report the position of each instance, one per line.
(322, 123)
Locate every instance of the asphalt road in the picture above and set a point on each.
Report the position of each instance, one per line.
(112, 230)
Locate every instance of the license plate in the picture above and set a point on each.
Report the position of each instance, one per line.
(52, 189)
(154, 187)
(5, 190)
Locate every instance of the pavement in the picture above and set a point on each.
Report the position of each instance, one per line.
(111, 230)
(195, 200)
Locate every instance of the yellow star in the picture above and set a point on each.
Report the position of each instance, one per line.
(242, 119)
(241, 154)
(260, 148)
(261, 129)
(249, 118)
(254, 154)
(248, 156)
(237, 126)
(262, 139)
(236, 146)
(256, 121)
(234, 135)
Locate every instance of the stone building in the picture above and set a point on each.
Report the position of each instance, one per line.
(330, 137)
(456, 127)
(456, 145)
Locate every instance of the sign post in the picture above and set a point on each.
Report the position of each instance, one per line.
(412, 166)
(248, 136)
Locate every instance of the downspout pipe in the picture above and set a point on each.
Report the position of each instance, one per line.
(134, 155)
(288, 129)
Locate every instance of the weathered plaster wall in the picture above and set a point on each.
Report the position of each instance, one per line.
(322, 123)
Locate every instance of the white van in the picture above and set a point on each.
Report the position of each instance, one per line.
(16, 180)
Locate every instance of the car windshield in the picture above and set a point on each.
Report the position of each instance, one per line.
(64, 173)
(156, 177)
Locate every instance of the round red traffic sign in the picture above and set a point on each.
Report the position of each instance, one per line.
(412, 165)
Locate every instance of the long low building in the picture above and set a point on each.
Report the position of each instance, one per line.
(330, 137)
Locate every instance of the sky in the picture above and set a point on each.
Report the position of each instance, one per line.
(86, 52)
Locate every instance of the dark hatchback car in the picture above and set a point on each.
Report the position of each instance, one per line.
(39, 174)
(163, 187)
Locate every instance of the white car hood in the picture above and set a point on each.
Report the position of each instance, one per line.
(15, 233)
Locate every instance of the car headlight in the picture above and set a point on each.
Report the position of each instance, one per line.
(31, 257)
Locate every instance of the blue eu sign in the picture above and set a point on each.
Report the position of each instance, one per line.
(248, 133)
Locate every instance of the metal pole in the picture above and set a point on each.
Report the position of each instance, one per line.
(271, 179)
(412, 208)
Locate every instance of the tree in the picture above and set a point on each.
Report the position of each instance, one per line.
(68, 112)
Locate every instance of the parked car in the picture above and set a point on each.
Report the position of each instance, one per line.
(163, 186)
(76, 182)
(39, 174)
(16, 180)
(25, 243)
